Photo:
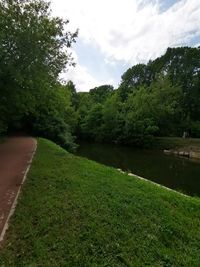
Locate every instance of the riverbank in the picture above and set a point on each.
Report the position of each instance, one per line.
(177, 173)
(76, 212)
(176, 142)
(184, 147)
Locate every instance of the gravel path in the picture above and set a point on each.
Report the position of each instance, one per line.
(15, 157)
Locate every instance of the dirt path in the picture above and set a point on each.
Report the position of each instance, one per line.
(15, 156)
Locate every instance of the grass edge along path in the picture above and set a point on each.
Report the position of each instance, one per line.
(76, 212)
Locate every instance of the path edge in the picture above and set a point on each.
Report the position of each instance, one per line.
(14, 205)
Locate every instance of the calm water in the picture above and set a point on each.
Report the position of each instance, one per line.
(176, 173)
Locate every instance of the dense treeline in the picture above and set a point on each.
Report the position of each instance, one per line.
(33, 51)
(160, 98)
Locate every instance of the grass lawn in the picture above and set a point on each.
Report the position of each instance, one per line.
(75, 212)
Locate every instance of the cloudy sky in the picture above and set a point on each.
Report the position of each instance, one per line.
(116, 34)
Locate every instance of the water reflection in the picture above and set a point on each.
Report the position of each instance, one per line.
(176, 173)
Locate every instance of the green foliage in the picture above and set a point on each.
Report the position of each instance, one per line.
(57, 118)
(92, 123)
(73, 94)
(132, 79)
(165, 107)
(113, 119)
(101, 93)
(195, 128)
(182, 65)
(147, 111)
(33, 51)
(158, 99)
(32, 43)
(84, 105)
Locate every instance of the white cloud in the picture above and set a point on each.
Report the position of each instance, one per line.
(80, 75)
(133, 30)
(82, 78)
(126, 31)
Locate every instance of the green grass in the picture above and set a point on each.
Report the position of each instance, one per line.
(176, 142)
(75, 212)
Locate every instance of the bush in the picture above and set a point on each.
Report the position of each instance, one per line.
(55, 129)
(3, 127)
(195, 129)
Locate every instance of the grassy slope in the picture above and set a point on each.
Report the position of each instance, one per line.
(75, 212)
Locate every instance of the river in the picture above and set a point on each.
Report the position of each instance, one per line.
(177, 173)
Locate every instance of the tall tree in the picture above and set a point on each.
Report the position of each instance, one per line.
(101, 93)
(133, 78)
(32, 43)
(182, 65)
(70, 86)
(33, 51)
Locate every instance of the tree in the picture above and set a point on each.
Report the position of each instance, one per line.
(182, 66)
(101, 93)
(140, 125)
(113, 118)
(32, 43)
(157, 109)
(57, 119)
(158, 99)
(92, 123)
(133, 78)
(165, 106)
(33, 51)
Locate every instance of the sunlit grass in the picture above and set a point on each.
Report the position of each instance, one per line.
(76, 212)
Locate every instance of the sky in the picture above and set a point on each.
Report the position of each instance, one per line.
(114, 35)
